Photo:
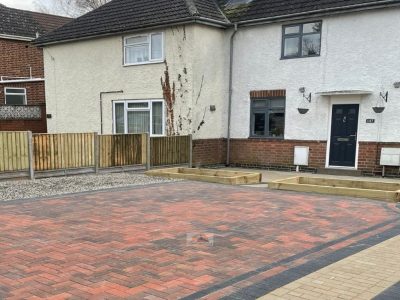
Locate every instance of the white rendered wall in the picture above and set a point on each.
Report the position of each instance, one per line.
(77, 72)
(359, 51)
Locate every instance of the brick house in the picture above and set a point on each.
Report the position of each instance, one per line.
(250, 79)
(22, 83)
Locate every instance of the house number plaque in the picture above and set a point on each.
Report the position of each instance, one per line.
(370, 121)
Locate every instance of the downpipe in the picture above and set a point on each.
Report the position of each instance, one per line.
(228, 139)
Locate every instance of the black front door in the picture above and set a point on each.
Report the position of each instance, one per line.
(344, 135)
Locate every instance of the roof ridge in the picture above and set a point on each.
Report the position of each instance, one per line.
(193, 11)
(34, 12)
(220, 10)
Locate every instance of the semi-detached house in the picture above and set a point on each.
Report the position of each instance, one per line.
(251, 80)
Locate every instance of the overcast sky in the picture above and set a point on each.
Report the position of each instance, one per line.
(22, 4)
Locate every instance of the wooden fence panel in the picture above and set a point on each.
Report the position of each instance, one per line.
(120, 150)
(63, 151)
(171, 150)
(14, 151)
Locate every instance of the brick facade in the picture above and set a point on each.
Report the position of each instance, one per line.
(209, 152)
(17, 57)
(279, 153)
(369, 154)
(36, 126)
(274, 152)
(34, 92)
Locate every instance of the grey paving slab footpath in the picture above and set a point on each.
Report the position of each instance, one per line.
(373, 273)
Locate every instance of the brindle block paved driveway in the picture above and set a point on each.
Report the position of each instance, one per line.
(181, 240)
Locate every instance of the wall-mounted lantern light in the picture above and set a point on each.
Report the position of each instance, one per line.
(396, 85)
(304, 110)
(380, 108)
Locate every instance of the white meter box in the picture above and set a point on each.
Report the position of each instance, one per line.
(301, 154)
(390, 157)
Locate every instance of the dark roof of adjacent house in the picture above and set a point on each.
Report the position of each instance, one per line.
(251, 10)
(23, 23)
(119, 16)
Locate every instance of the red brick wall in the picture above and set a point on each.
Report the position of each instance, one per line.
(273, 152)
(279, 153)
(369, 154)
(15, 59)
(36, 126)
(17, 56)
(34, 92)
(209, 151)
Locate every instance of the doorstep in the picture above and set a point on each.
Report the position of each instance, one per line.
(339, 172)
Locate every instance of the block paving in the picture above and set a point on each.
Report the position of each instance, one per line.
(179, 240)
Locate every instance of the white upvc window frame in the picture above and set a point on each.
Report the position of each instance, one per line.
(18, 94)
(148, 36)
(149, 108)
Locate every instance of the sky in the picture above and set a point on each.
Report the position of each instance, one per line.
(22, 4)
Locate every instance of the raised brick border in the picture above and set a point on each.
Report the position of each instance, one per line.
(279, 153)
(274, 152)
(209, 152)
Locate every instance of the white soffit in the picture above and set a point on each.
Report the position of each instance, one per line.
(344, 92)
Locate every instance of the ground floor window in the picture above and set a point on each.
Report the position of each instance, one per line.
(139, 116)
(267, 117)
(15, 96)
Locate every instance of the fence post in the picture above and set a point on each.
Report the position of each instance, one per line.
(96, 152)
(148, 151)
(190, 151)
(30, 156)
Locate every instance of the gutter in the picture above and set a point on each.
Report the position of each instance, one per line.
(101, 106)
(185, 21)
(16, 37)
(21, 80)
(228, 138)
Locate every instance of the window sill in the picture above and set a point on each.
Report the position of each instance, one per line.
(299, 57)
(266, 138)
(144, 63)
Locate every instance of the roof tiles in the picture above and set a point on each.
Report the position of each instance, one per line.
(120, 16)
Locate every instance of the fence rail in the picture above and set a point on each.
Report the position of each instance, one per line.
(22, 151)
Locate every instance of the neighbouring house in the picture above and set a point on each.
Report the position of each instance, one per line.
(251, 80)
(22, 91)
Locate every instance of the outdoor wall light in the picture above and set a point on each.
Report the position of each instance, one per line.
(396, 85)
(303, 110)
(379, 109)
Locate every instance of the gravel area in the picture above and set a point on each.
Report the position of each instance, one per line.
(23, 189)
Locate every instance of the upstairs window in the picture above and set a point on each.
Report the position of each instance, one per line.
(15, 96)
(301, 40)
(267, 117)
(139, 116)
(142, 49)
